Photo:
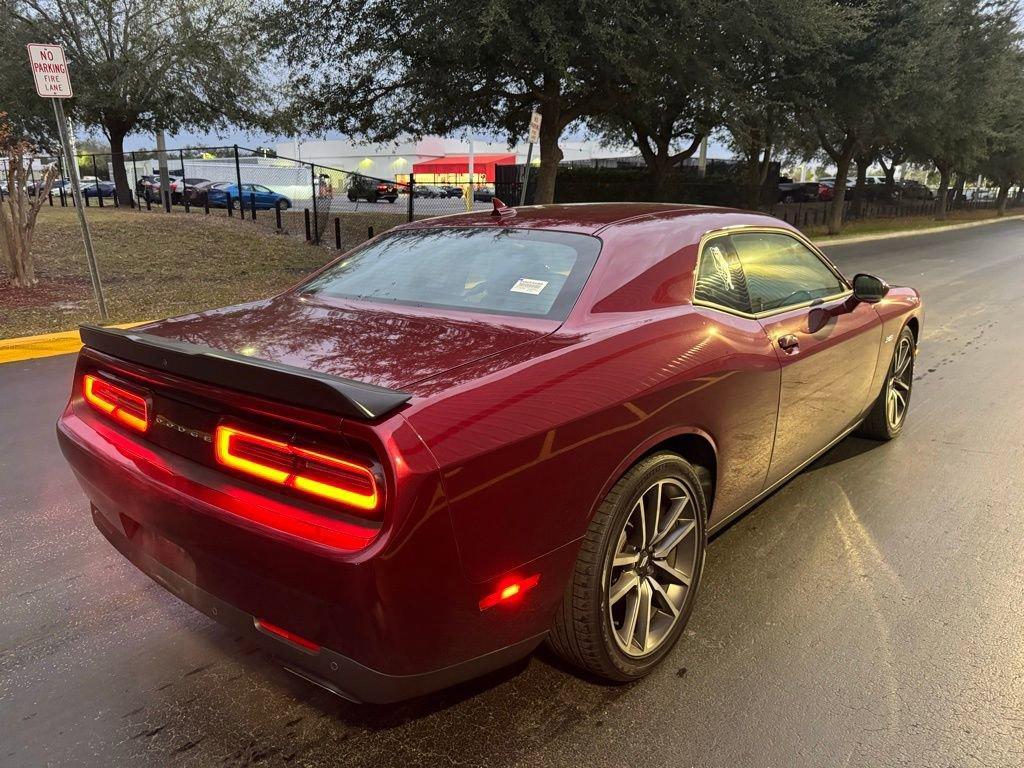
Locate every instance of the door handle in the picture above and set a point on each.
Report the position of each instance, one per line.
(789, 344)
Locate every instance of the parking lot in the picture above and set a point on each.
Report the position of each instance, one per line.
(868, 613)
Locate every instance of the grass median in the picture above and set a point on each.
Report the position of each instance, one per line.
(152, 265)
(903, 224)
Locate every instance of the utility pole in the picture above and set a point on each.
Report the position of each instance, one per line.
(469, 195)
(161, 156)
(702, 159)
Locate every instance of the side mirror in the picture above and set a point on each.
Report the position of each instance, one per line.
(869, 288)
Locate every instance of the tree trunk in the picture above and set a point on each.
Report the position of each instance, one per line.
(943, 192)
(551, 126)
(858, 190)
(1004, 193)
(835, 212)
(659, 167)
(958, 191)
(18, 213)
(124, 190)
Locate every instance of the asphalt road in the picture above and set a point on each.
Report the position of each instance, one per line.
(870, 613)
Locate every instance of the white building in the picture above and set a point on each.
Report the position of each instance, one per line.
(396, 160)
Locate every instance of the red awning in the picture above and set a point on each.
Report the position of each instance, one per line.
(460, 164)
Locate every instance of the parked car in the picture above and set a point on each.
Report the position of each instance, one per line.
(800, 191)
(976, 194)
(909, 189)
(148, 187)
(371, 190)
(265, 197)
(196, 195)
(178, 187)
(450, 190)
(390, 474)
(99, 189)
(61, 185)
(483, 194)
(144, 184)
(419, 190)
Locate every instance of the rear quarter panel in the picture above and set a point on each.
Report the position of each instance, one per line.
(528, 450)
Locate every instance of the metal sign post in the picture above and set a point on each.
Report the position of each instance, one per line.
(50, 71)
(534, 136)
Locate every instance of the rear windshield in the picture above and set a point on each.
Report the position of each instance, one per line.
(523, 272)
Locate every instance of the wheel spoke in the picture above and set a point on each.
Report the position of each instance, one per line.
(666, 601)
(629, 621)
(900, 384)
(643, 521)
(672, 539)
(643, 631)
(674, 511)
(626, 582)
(625, 558)
(622, 557)
(653, 525)
(675, 573)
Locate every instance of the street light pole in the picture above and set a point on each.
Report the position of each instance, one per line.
(63, 127)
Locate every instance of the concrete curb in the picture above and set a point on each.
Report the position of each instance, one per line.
(912, 232)
(45, 345)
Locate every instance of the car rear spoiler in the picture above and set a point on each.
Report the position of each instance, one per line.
(276, 381)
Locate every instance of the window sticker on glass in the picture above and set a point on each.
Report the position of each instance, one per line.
(528, 285)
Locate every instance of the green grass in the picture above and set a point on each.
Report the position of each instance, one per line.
(152, 265)
(908, 224)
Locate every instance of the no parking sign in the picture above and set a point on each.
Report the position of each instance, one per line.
(50, 71)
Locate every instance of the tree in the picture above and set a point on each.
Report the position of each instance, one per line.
(663, 103)
(1003, 160)
(955, 130)
(862, 92)
(29, 117)
(137, 65)
(768, 53)
(18, 208)
(382, 68)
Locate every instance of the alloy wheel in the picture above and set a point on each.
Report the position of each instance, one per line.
(651, 571)
(900, 380)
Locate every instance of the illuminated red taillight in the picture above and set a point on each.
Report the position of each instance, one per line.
(116, 402)
(509, 590)
(287, 636)
(318, 474)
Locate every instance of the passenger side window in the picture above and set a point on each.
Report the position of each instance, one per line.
(781, 271)
(720, 278)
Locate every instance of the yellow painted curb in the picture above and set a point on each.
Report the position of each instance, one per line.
(46, 345)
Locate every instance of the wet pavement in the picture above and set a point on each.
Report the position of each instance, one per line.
(869, 613)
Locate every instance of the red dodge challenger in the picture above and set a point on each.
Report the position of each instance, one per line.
(479, 432)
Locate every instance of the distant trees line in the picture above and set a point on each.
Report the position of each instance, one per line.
(937, 82)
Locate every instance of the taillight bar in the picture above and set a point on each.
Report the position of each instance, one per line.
(312, 472)
(118, 403)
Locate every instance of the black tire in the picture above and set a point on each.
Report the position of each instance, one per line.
(878, 425)
(352, 198)
(582, 631)
(284, 204)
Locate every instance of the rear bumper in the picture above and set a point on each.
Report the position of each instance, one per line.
(326, 668)
(395, 620)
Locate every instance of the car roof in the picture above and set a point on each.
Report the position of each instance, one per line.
(584, 218)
